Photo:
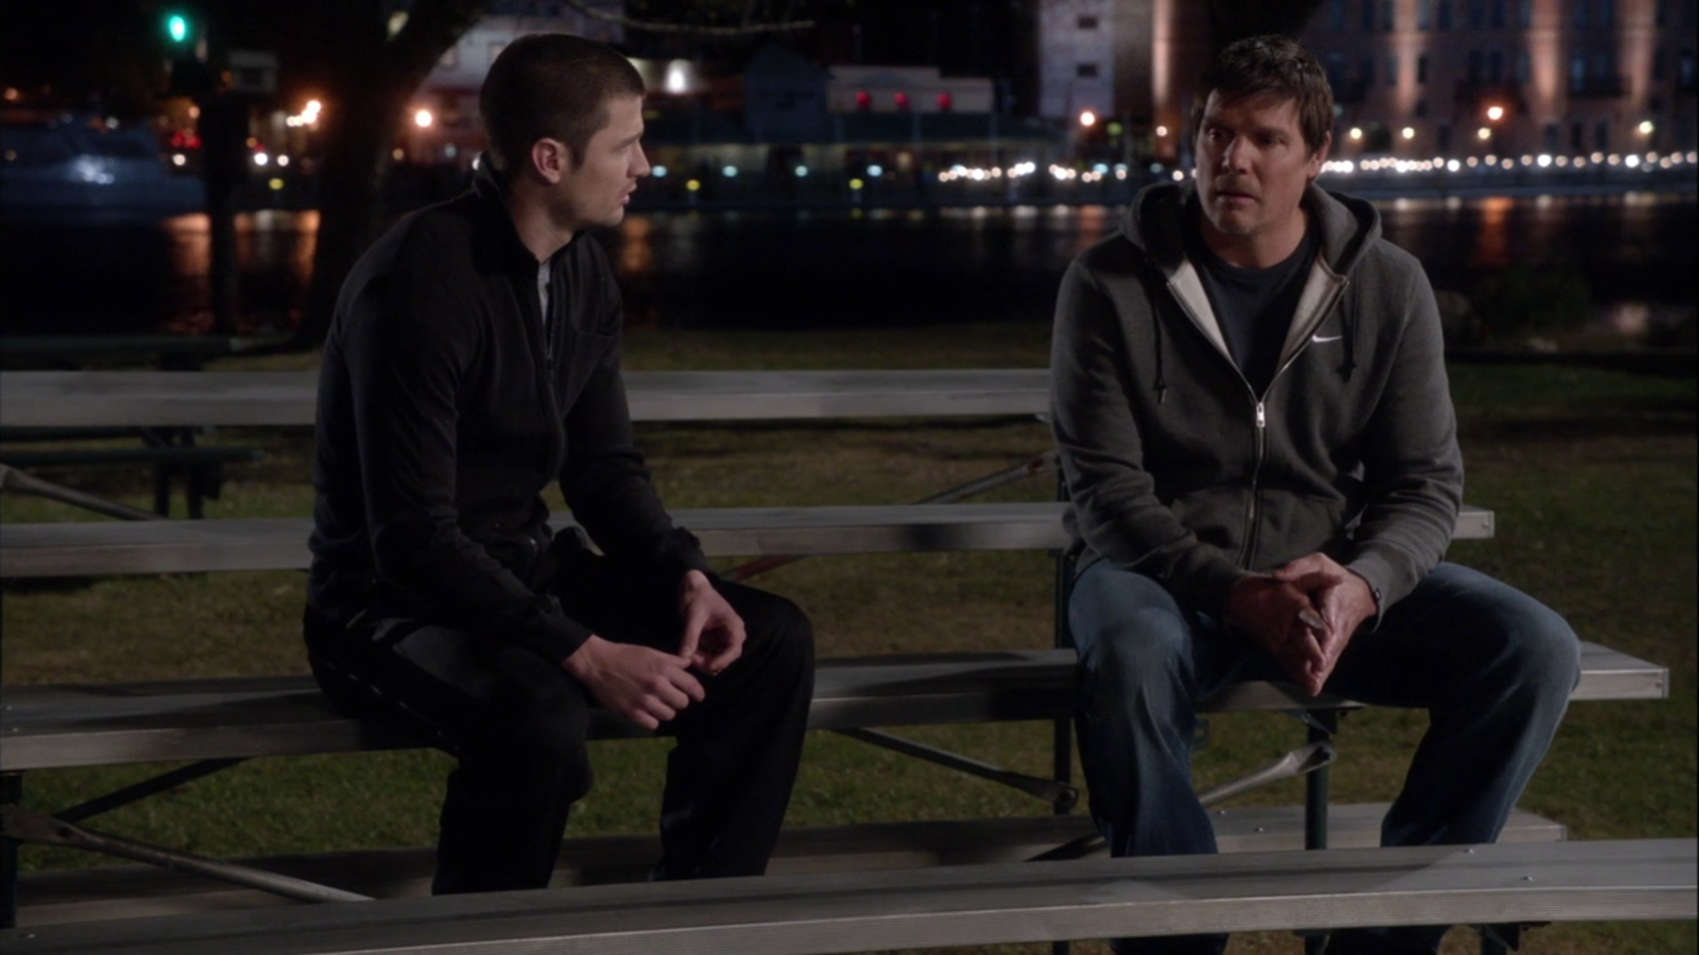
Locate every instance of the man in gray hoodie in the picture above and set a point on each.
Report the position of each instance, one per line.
(1251, 406)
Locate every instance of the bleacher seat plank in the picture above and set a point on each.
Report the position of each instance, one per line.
(1613, 880)
(288, 398)
(170, 454)
(102, 548)
(54, 726)
(136, 891)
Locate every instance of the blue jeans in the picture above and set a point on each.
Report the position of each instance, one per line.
(1492, 666)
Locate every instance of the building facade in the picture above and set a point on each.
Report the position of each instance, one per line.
(1466, 77)
(1415, 78)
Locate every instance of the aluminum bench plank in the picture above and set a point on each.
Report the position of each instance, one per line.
(278, 398)
(100, 548)
(135, 891)
(1603, 880)
(53, 726)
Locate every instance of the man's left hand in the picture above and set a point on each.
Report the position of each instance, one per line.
(713, 632)
(1343, 598)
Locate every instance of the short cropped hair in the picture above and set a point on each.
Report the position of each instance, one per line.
(1271, 64)
(551, 85)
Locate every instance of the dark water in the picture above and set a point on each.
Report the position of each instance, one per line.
(809, 269)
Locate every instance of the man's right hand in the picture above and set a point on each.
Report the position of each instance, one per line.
(645, 686)
(1267, 610)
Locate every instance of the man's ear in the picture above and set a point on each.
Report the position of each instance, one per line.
(551, 159)
(1320, 157)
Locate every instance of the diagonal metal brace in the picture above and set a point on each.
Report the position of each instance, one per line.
(1039, 463)
(1323, 720)
(1049, 790)
(146, 788)
(1498, 939)
(12, 479)
(1301, 761)
(41, 829)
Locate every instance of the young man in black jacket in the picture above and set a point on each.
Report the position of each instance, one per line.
(474, 357)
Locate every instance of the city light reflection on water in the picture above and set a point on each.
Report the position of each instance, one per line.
(840, 266)
(1492, 239)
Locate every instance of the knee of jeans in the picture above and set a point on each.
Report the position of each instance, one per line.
(1545, 653)
(1136, 653)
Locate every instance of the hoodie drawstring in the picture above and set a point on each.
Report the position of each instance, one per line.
(1348, 330)
(1161, 384)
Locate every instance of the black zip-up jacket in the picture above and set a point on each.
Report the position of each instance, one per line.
(446, 403)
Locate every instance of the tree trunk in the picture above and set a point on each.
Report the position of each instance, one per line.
(224, 133)
(351, 176)
(376, 76)
(222, 274)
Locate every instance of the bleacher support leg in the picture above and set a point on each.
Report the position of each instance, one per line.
(11, 792)
(1062, 740)
(1321, 727)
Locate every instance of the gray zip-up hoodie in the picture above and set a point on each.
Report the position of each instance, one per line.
(1176, 468)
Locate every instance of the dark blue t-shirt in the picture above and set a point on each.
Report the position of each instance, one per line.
(1253, 306)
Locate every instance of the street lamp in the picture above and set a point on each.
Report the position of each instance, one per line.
(1495, 113)
(423, 119)
(1646, 127)
(1088, 118)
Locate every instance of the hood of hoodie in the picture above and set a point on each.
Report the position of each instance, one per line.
(1154, 222)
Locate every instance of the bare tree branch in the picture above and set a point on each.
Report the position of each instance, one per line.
(657, 26)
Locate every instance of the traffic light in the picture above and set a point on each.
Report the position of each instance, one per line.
(177, 28)
(190, 75)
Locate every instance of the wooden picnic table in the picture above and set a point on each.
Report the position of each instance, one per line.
(61, 399)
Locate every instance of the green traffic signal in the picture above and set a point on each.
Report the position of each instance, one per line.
(177, 27)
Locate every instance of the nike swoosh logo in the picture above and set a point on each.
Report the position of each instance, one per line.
(1322, 340)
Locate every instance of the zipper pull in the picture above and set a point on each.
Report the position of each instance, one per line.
(1262, 419)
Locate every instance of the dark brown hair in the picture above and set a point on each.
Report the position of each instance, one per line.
(1271, 65)
(552, 85)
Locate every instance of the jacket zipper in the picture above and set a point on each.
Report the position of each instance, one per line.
(533, 539)
(1262, 429)
(550, 331)
(549, 336)
(1260, 409)
(1256, 438)
(1256, 477)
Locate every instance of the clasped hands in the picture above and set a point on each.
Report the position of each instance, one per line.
(1304, 614)
(650, 687)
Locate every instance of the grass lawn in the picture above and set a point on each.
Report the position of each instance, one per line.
(1591, 473)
